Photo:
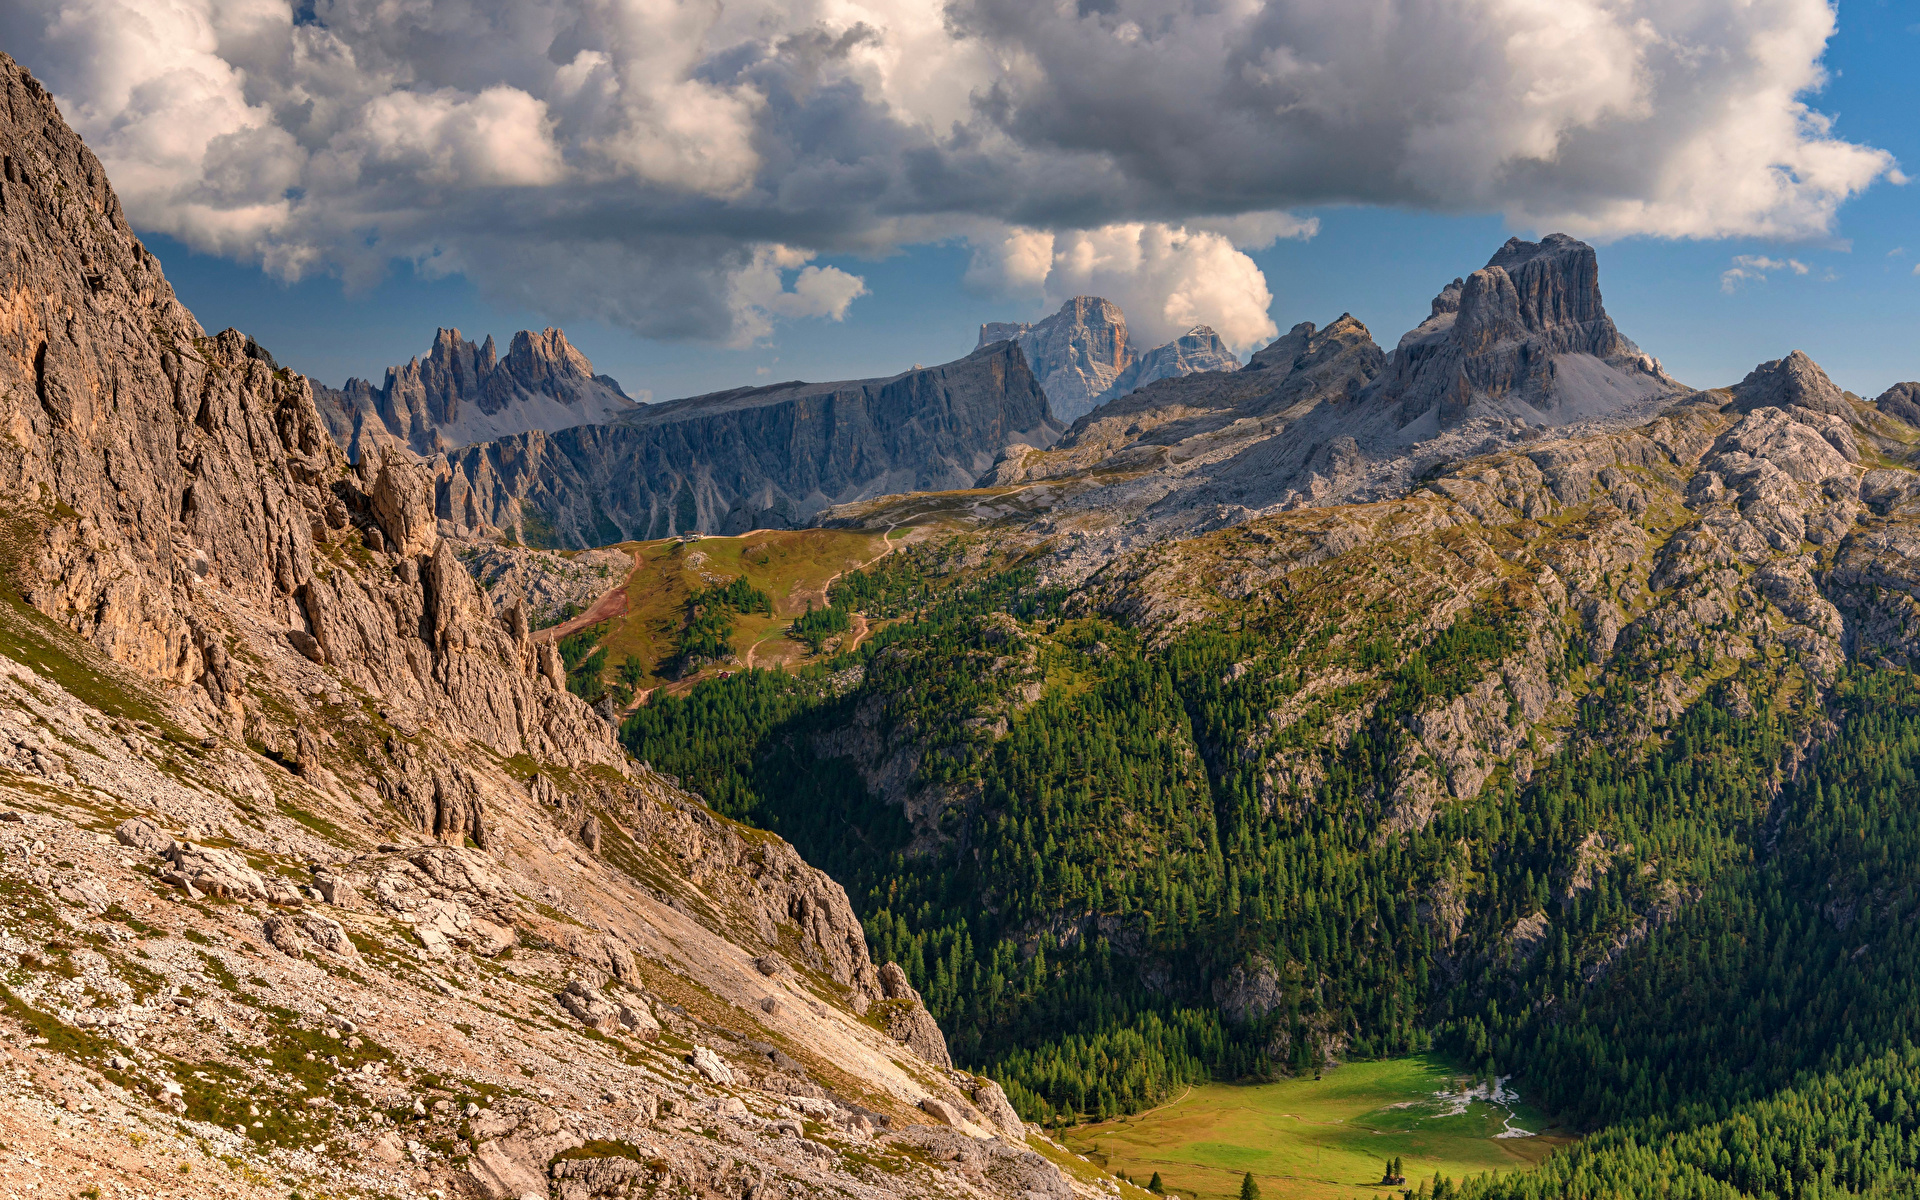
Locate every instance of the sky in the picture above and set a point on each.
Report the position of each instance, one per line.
(705, 196)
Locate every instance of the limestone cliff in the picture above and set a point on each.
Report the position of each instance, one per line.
(1077, 354)
(462, 393)
(408, 917)
(1084, 357)
(749, 458)
(1525, 336)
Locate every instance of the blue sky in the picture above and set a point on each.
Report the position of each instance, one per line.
(1853, 302)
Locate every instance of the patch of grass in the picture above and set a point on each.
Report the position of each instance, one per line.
(605, 1150)
(1316, 1138)
(318, 824)
(791, 566)
(62, 1038)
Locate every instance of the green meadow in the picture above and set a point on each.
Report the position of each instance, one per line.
(1320, 1138)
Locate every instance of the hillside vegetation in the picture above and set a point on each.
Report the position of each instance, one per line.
(1589, 764)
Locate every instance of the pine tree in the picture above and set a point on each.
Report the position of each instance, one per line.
(1249, 1190)
(1154, 1185)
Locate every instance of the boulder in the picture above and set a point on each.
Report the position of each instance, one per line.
(215, 872)
(142, 834)
(710, 1065)
(589, 1007)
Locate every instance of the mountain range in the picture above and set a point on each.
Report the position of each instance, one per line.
(461, 393)
(1495, 698)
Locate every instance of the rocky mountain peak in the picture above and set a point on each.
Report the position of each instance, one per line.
(1078, 353)
(1198, 349)
(1084, 357)
(1526, 337)
(1901, 401)
(1795, 381)
(462, 392)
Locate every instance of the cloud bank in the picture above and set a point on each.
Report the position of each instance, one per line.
(675, 165)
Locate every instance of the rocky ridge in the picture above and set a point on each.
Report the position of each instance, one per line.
(1084, 357)
(764, 457)
(1324, 416)
(316, 873)
(462, 393)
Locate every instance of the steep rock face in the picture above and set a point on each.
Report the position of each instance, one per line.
(216, 625)
(750, 458)
(1199, 435)
(1901, 401)
(1077, 354)
(1198, 349)
(1526, 336)
(462, 393)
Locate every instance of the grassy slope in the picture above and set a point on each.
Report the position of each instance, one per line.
(792, 566)
(1313, 1138)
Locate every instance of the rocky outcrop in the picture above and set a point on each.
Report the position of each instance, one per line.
(1084, 356)
(1901, 401)
(1525, 336)
(340, 784)
(1795, 381)
(769, 457)
(462, 393)
(1077, 354)
(1198, 349)
(909, 1023)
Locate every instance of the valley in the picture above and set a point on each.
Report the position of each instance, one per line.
(1323, 1138)
(486, 786)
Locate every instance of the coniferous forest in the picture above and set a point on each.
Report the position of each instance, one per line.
(1699, 955)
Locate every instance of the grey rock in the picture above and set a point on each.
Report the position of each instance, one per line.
(769, 457)
(1526, 336)
(142, 834)
(462, 393)
(1078, 353)
(1902, 401)
(1198, 349)
(1795, 381)
(1084, 356)
(908, 1020)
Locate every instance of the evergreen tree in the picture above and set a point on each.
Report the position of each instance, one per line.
(1249, 1190)
(1154, 1185)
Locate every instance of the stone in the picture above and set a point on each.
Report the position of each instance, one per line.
(214, 872)
(710, 1066)
(639, 1021)
(142, 834)
(909, 1022)
(1526, 335)
(991, 1099)
(549, 482)
(1198, 349)
(589, 1007)
(385, 1147)
(940, 1111)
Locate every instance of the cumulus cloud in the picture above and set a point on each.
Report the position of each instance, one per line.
(650, 161)
(1167, 279)
(760, 291)
(1754, 268)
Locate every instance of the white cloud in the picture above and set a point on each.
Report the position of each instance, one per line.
(760, 292)
(633, 158)
(1754, 268)
(1166, 279)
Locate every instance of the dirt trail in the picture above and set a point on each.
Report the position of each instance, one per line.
(860, 631)
(613, 604)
